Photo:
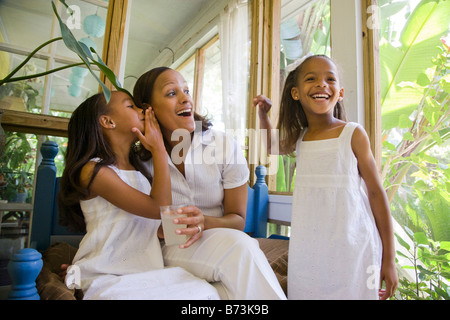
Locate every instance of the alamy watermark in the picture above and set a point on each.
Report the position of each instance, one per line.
(73, 277)
(74, 19)
(220, 148)
(373, 19)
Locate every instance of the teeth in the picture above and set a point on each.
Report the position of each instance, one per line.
(183, 111)
(320, 96)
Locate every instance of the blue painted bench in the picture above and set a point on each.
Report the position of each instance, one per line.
(46, 231)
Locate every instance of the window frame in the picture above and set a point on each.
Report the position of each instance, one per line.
(364, 91)
(199, 63)
(114, 40)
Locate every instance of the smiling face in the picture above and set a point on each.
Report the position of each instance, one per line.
(172, 103)
(318, 88)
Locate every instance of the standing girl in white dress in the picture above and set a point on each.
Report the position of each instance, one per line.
(341, 244)
(106, 191)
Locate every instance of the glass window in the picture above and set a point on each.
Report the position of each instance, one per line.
(27, 24)
(211, 99)
(187, 70)
(305, 29)
(206, 66)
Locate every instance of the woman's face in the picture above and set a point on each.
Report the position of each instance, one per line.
(172, 103)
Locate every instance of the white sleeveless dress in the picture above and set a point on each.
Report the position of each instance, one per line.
(335, 249)
(120, 256)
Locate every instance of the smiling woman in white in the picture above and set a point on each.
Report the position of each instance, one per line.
(226, 257)
(207, 170)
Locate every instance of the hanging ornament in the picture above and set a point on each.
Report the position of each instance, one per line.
(89, 43)
(80, 71)
(76, 80)
(74, 90)
(94, 26)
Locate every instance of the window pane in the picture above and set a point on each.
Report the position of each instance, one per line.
(187, 70)
(305, 29)
(24, 95)
(27, 24)
(211, 102)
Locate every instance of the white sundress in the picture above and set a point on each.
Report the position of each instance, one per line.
(120, 256)
(335, 249)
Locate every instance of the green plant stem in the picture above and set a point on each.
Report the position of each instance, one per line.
(8, 77)
(31, 76)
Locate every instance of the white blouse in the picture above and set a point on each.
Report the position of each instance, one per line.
(214, 162)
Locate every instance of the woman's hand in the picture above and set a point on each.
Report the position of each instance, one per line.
(195, 222)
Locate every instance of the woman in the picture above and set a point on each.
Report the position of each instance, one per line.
(208, 171)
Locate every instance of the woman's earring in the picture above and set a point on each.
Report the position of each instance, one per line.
(113, 125)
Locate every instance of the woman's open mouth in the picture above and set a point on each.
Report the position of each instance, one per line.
(185, 113)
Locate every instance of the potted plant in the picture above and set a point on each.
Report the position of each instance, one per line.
(19, 96)
(15, 166)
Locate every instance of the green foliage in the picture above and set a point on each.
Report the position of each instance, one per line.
(17, 165)
(430, 266)
(415, 96)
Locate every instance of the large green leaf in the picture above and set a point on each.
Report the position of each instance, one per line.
(419, 41)
(86, 56)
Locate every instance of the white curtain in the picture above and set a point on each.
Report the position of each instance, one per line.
(234, 42)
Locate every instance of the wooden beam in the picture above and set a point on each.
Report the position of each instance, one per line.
(199, 71)
(114, 40)
(34, 123)
(371, 53)
(264, 72)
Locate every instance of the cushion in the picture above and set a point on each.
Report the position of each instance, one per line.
(276, 251)
(49, 284)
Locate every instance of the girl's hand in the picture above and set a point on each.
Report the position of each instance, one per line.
(264, 105)
(152, 138)
(195, 222)
(390, 278)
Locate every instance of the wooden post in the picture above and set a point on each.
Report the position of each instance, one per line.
(43, 197)
(264, 71)
(257, 206)
(371, 50)
(116, 35)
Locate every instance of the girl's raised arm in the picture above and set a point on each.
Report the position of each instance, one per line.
(273, 143)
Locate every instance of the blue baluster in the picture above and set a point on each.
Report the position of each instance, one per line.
(261, 202)
(23, 268)
(44, 197)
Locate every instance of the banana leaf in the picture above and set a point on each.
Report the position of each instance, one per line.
(422, 33)
(85, 54)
